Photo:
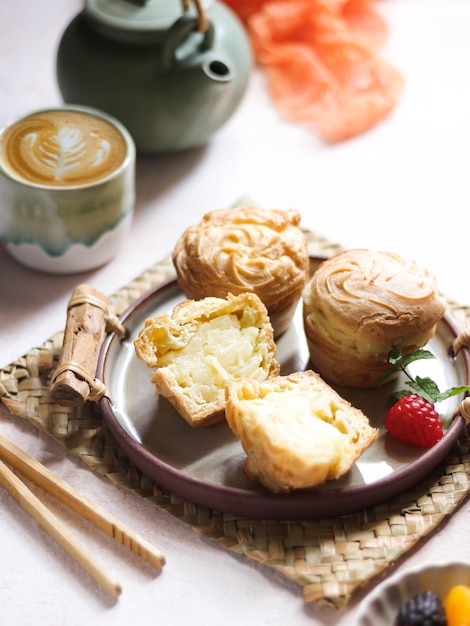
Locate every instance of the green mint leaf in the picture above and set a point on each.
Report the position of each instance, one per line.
(387, 374)
(429, 389)
(400, 362)
(425, 391)
(417, 355)
(394, 397)
(394, 355)
(424, 387)
(453, 391)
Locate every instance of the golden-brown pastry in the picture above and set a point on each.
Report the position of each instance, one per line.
(201, 345)
(297, 432)
(361, 302)
(246, 249)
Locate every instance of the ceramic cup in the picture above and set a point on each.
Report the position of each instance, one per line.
(67, 188)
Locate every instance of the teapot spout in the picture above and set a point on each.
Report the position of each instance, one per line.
(218, 71)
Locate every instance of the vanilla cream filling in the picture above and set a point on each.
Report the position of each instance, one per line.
(222, 349)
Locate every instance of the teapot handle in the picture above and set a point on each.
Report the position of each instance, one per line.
(179, 32)
(203, 22)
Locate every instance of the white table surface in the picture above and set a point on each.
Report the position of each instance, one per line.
(404, 186)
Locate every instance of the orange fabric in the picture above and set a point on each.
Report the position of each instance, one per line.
(321, 61)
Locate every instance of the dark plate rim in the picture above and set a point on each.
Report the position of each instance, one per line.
(293, 505)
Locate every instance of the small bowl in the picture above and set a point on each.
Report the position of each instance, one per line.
(380, 608)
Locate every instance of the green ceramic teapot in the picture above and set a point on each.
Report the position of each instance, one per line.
(173, 72)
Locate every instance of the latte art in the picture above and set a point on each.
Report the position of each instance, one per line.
(62, 148)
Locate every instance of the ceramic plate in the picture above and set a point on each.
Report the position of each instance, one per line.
(205, 466)
(381, 607)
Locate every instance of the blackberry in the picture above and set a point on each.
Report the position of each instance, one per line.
(424, 609)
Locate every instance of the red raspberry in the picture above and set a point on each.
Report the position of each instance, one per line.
(414, 420)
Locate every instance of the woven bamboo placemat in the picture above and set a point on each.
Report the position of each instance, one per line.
(328, 558)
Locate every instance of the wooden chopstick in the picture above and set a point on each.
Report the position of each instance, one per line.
(60, 489)
(26, 498)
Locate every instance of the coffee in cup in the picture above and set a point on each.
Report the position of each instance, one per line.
(67, 188)
(61, 149)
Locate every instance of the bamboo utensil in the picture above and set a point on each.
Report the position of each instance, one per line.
(60, 489)
(88, 321)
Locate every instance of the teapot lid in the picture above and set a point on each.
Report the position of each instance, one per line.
(138, 21)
